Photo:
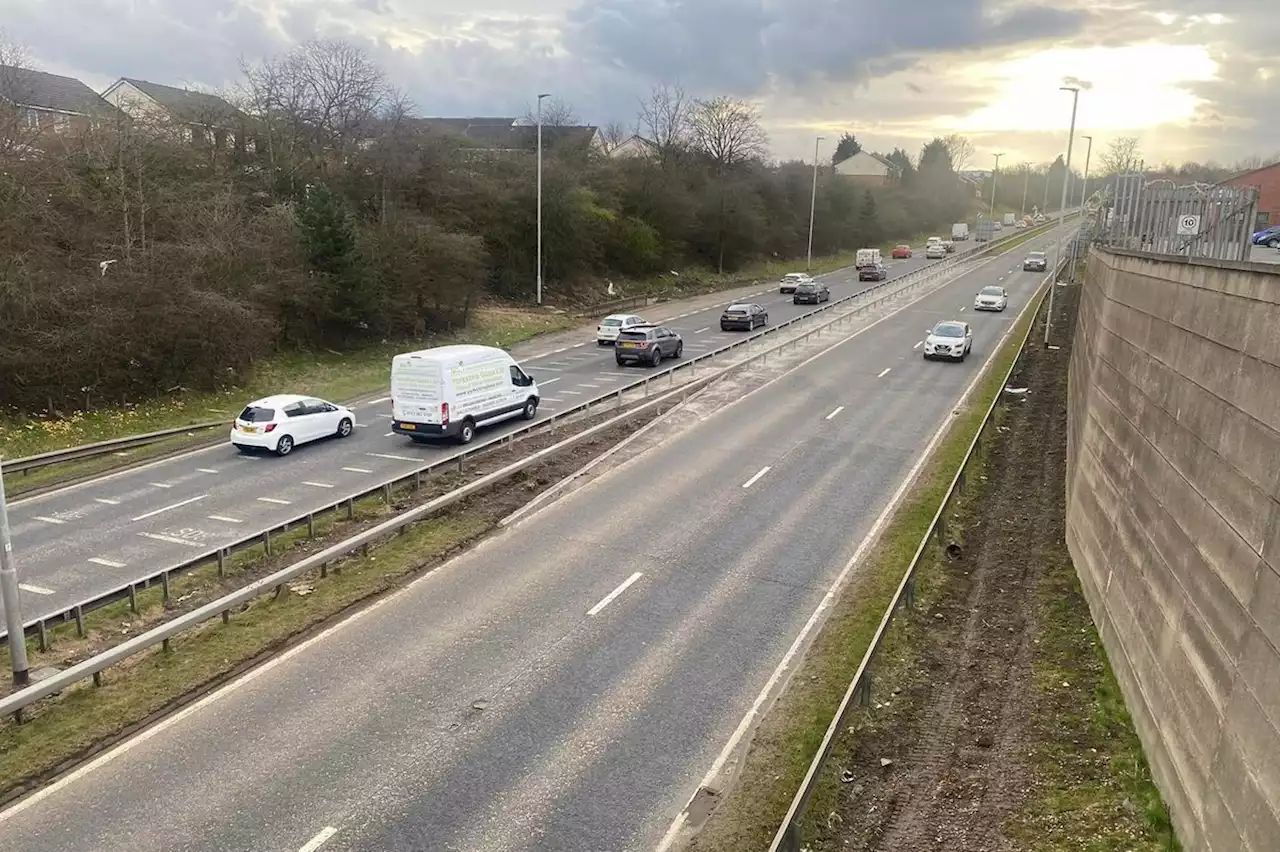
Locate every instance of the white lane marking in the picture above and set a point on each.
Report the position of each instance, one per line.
(753, 480)
(884, 372)
(363, 425)
(35, 590)
(110, 563)
(389, 434)
(608, 599)
(205, 470)
(275, 500)
(161, 485)
(919, 343)
(225, 519)
(552, 399)
(356, 470)
(839, 408)
(106, 501)
(588, 385)
(549, 381)
(319, 840)
(558, 351)
(155, 512)
(699, 331)
(48, 520)
(379, 400)
(387, 416)
(170, 539)
(317, 484)
(392, 457)
(575, 393)
(576, 345)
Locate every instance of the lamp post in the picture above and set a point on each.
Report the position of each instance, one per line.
(9, 597)
(813, 203)
(1062, 211)
(540, 99)
(1088, 152)
(994, 177)
(1026, 182)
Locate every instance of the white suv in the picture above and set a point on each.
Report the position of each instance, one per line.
(607, 330)
(792, 280)
(950, 339)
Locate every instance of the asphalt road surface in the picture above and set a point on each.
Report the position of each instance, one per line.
(565, 685)
(88, 540)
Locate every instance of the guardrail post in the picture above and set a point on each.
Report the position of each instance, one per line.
(386, 494)
(222, 563)
(911, 592)
(266, 542)
(226, 616)
(960, 480)
(44, 635)
(864, 688)
(133, 598)
(79, 614)
(417, 480)
(311, 525)
(165, 647)
(790, 839)
(351, 504)
(646, 387)
(97, 678)
(164, 587)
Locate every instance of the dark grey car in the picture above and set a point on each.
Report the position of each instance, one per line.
(744, 316)
(811, 292)
(647, 344)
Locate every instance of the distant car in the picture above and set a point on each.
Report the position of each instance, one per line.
(1036, 261)
(873, 272)
(935, 252)
(950, 339)
(949, 245)
(996, 226)
(1269, 237)
(280, 423)
(607, 330)
(811, 292)
(1019, 224)
(932, 240)
(647, 344)
(744, 316)
(792, 280)
(991, 299)
(901, 252)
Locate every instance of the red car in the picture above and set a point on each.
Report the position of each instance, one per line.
(902, 252)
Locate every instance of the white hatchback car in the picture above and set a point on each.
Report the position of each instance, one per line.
(935, 252)
(991, 298)
(609, 327)
(950, 339)
(280, 423)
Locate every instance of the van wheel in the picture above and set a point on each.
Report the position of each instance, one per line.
(344, 428)
(284, 446)
(467, 431)
(530, 409)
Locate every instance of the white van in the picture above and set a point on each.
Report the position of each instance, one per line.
(867, 257)
(450, 390)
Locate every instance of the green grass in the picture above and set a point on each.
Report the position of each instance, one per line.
(789, 737)
(324, 374)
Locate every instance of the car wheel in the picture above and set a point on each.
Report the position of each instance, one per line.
(284, 446)
(724, 327)
(467, 431)
(679, 349)
(530, 408)
(657, 356)
(621, 363)
(1274, 242)
(344, 427)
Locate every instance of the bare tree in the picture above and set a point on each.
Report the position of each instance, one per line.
(17, 131)
(555, 113)
(728, 132)
(960, 149)
(1122, 156)
(613, 134)
(666, 121)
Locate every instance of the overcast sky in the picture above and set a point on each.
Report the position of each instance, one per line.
(1195, 79)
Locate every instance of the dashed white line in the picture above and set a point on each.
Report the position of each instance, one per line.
(587, 385)
(35, 590)
(576, 345)
(552, 399)
(753, 480)
(319, 840)
(356, 470)
(155, 512)
(575, 393)
(161, 485)
(699, 331)
(839, 408)
(170, 539)
(205, 470)
(919, 343)
(380, 400)
(608, 599)
(392, 457)
(389, 435)
(387, 416)
(276, 500)
(48, 520)
(110, 563)
(106, 501)
(225, 519)
(549, 381)
(317, 484)
(884, 372)
(558, 351)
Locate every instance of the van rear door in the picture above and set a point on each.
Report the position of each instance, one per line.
(416, 390)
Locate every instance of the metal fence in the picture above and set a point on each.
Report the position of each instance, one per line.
(790, 836)
(1161, 217)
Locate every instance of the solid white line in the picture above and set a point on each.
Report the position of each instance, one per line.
(152, 514)
(49, 520)
(317, 484)
(608, 599)
(357, 470)
(161, 485)
(699, 331)
(110, 563)
(379, 400)
(884, 372)
(106, 501)
(35, 590)
(839, 408)
(320, 839)
(205, 470)
(549, 381)
(392, 457)
(919, 343)
(576, 345)
(388, 435)
(169, 538)
(753, 480)
(275, 500)
(225, 519)
(558, 351)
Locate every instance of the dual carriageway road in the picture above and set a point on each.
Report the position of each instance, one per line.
(565, 685)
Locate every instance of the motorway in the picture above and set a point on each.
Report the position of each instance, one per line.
(84, 541)
(564, 685)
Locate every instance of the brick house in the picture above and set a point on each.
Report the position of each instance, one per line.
(1267, 180)
(39, 103)
(868, 168)
(200, 117)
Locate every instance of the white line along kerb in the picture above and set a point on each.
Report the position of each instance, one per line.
(608, 599)
(839, 408)
(320, 839)
(753, 480)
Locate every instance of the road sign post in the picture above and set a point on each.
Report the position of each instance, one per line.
(9, 596)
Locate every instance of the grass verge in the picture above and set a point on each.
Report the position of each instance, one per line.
(790, 734)
(83, 720)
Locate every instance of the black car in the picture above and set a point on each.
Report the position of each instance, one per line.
(743, 316)
(1036, 262)
(811, 292)
(647, 344)
(875, 272)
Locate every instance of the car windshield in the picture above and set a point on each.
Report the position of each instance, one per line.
(793, 276)
(950, 330)
(991, 291)
(736, 309)
(255, 414)
(612, 322)
(1036, 255)
(643, 334)
(807, 286)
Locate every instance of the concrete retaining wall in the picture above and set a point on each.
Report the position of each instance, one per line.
(1172, 521)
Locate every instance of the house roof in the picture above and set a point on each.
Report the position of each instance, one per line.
(525, 137)
(188, 105)
(461, 125)
(882, 160)
(41, 90)
(1248, 172)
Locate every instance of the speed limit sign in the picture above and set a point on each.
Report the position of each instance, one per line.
(1188, 225)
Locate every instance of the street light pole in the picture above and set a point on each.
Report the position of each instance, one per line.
(995, 175)
(540, 98)
(1026, 182)
(813, 203)
(9, 593)
(1088, 152)
(1062, 211)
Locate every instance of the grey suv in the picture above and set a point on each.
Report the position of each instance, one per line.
(647, 344)
(875, 272)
